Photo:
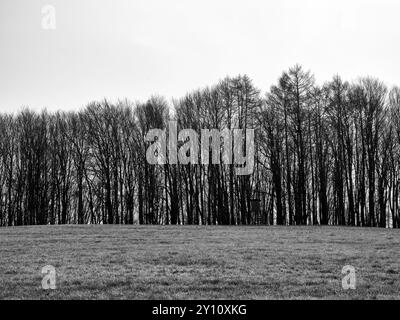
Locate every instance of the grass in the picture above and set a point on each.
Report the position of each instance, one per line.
(199, 262)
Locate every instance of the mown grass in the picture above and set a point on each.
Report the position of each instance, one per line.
(199, 262)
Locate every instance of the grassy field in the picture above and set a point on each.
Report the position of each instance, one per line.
(189, 262)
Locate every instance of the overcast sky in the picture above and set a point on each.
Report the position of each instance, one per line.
(133, 49)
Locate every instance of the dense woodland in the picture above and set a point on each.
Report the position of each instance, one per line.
(325, 155)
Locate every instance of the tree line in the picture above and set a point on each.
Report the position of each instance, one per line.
(324, 155)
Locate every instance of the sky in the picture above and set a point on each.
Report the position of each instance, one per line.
(132, 49)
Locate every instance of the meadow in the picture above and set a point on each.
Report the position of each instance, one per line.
(198, 262)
